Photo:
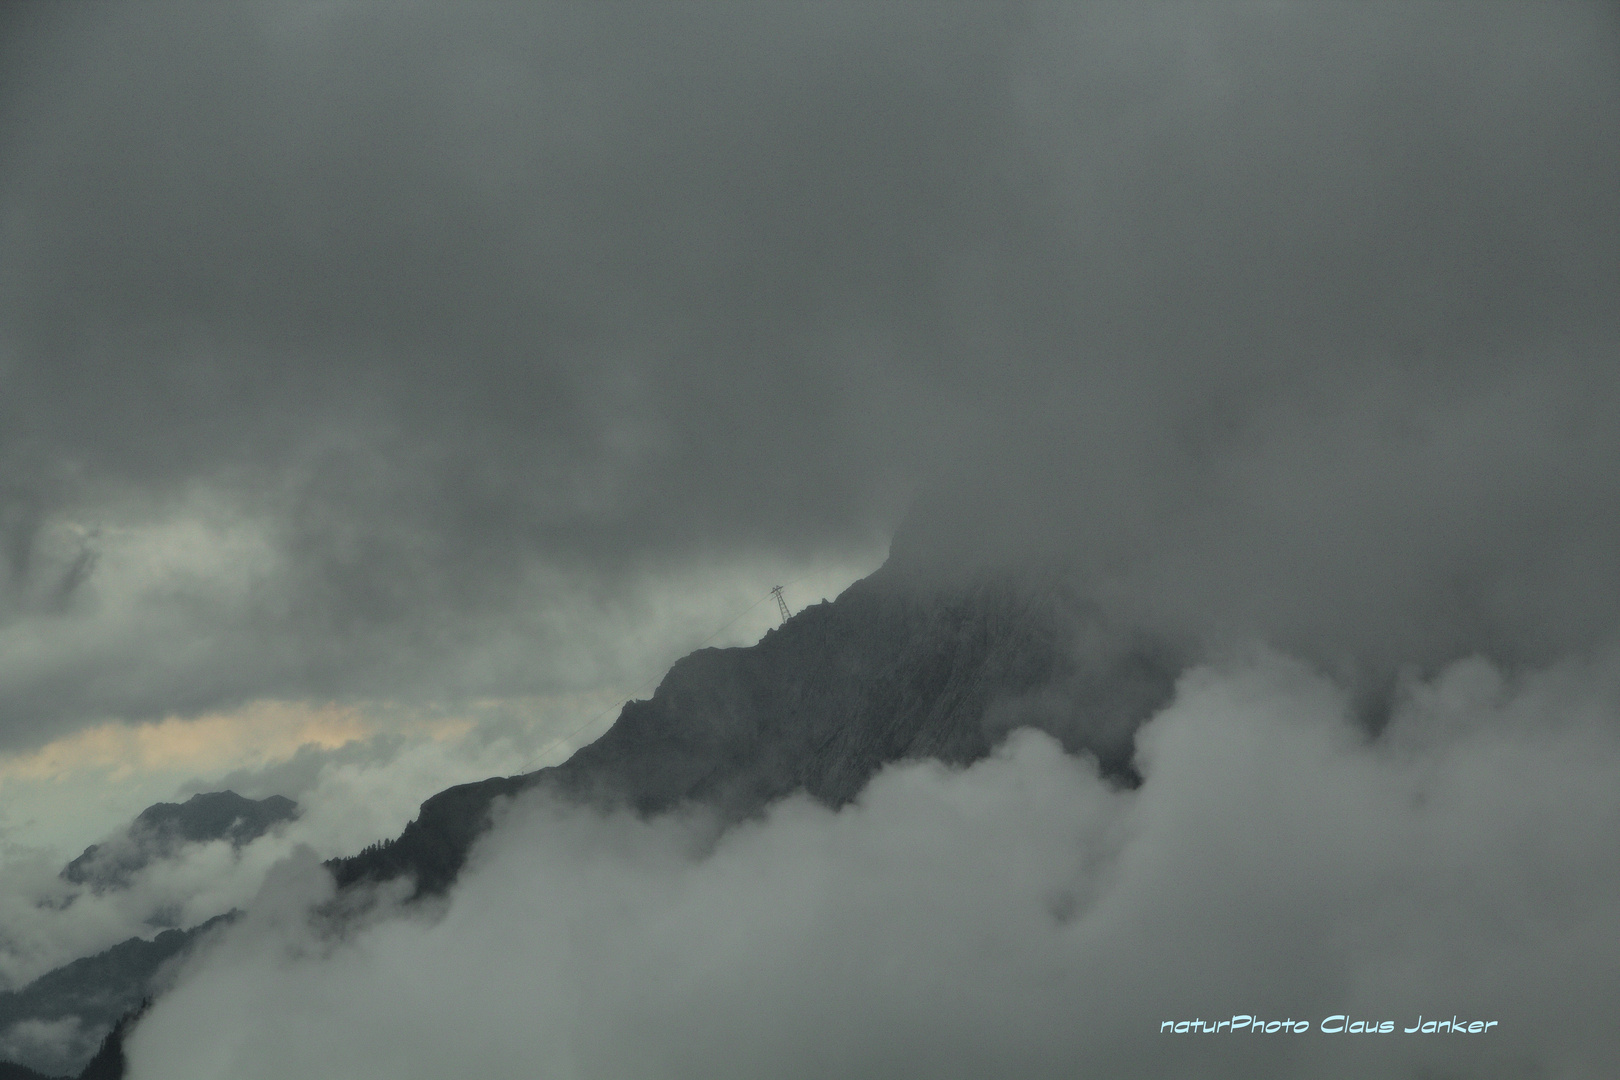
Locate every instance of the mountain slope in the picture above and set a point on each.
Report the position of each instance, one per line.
(54, 1023)
(93, 993)
(897, 667)
(12, 1071)
(162, 828)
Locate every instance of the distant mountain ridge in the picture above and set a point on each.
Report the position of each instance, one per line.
(95, 992)
(91, 993)
(898, 667)
(162, 828)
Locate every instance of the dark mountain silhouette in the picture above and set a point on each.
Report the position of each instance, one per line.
(897, 667)
(12, 1071)
(96, 991)
(109, 1062)
(161, 829)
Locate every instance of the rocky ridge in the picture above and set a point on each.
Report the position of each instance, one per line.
(898, 667)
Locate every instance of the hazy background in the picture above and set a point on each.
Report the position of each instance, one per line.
(394, 390)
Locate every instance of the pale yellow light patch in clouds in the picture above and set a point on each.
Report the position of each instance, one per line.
(79, 788)
(251, 736)
(74, 790)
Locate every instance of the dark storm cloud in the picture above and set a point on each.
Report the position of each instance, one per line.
(444, 299)
(561, 271)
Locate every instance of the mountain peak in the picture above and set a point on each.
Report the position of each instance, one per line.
(162, 828)
(898, 667)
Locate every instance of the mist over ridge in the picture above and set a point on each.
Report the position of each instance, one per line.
(1020, 913)
(1234, 386)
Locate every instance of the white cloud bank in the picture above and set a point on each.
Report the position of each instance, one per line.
(1019, 918)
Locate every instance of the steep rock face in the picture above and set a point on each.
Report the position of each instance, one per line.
(895, 668)
(889, 671)
(162, 828)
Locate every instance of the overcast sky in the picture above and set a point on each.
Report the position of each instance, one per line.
(410, 383)
(354, 351)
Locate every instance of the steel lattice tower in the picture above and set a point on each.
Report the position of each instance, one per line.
(781, 604)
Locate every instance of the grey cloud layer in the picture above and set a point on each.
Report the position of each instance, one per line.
(447, 302)
(1020, 917)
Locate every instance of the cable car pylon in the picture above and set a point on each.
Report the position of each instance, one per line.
(781, 604)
